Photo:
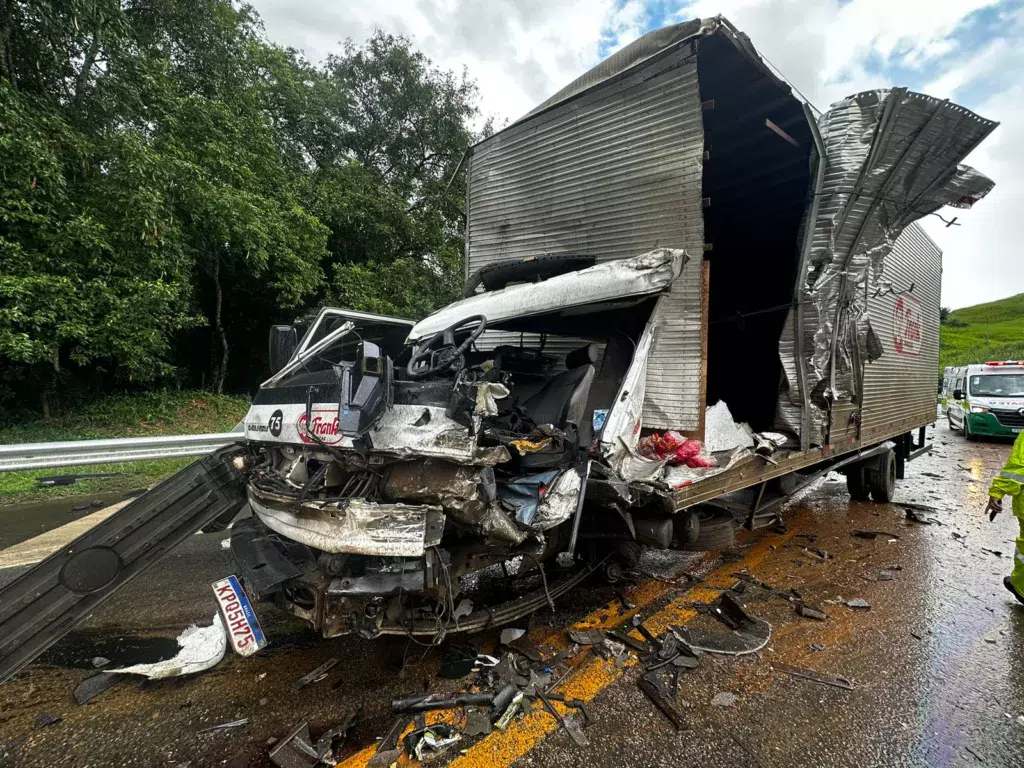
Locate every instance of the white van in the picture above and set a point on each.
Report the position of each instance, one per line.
(986, 399)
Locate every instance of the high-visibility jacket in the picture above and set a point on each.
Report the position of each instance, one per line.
(1010, 482)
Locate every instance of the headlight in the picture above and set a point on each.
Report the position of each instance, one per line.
(979, 409)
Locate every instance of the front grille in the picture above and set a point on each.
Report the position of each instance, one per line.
(1008, 417)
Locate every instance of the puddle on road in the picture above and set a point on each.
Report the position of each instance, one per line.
(78, 649)
(24, 521)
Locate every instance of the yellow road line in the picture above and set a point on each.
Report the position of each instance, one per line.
(592, 674)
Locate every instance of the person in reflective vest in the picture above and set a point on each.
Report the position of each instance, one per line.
(1010, 482)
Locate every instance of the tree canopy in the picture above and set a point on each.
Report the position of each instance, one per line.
(173, 183)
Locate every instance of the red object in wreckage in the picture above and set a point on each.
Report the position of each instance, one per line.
(676, 449)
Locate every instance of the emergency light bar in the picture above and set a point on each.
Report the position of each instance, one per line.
(1007, 362)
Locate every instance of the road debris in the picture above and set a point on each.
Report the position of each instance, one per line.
(886, 575)
(510, 634)
(432, 741)
(858, 604)
(201, 648)
(318, 674)
(99, 661)
(809, 611)
(586, 636)
(478, 723)
(385, 758)
(872, 534)
(568, 723)
(44, 719)
(93, 686)
(816, 647)
(814, 677)
(224, 726)
(915, 516)
(295, 750)
(651, 686)
(749, 634)
(513, 708)
(724, 699)
(428, 703)
(457, 660)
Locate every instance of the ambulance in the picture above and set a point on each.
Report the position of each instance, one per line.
(985, 400)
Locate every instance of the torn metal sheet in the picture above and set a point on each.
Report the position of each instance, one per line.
(401, 431)
(201, 649)
(890, 157)
(721, 432)
(559, 502)
(353, 525)
(613, 280)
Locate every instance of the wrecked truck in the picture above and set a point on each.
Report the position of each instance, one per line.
(688, 295)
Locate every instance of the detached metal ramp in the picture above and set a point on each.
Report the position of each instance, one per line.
(42, 605)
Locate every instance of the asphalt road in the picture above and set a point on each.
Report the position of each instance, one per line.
(934, 664)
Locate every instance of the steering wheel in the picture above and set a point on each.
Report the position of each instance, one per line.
(446, 354)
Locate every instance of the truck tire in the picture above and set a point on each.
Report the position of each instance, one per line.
(968, 435)
(493, 277)
(856, 483)
(882, 478)
(717, 531)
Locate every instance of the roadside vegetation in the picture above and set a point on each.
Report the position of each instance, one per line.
(140, 415)
(992, 331)
(173, 183)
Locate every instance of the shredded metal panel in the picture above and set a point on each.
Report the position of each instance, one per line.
(613, 172)
(891, 157)
(905, 317)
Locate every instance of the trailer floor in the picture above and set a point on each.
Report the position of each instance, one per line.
(935, 663)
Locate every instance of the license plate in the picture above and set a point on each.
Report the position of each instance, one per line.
(1015, 430)
(240, 620)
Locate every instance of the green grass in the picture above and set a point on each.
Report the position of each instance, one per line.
(993, 331)
(139, 415)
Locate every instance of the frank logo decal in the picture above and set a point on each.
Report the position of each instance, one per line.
(907, 318)
(324, 425)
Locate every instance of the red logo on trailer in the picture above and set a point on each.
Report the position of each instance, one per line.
(324, 425)
(907, 319)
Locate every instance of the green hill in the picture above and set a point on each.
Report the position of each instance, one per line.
(993, 331)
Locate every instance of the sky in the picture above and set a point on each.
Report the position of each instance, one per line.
(522, 51)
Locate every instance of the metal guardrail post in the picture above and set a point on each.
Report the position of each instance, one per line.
(74, 453)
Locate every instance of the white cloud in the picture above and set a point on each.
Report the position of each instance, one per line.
(521, 51)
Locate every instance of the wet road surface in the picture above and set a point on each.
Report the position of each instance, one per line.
(935, 663)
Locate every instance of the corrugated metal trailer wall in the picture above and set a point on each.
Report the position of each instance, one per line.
(612, 173)
(900, 386)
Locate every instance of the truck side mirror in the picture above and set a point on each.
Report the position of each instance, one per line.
(283, 340)
(958, 394)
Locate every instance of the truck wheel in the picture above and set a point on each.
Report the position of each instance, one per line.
(628, 554)
(717, 531)
(856, 483)
(882, 478)
(968, 435)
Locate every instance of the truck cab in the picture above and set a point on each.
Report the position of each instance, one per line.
(986, 400)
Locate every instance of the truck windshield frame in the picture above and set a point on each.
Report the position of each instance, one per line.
(997, 385)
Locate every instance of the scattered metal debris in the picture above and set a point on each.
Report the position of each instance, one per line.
(821, 554)
(510, 712)
(872, 534)
(478, 723)
(432, 741)
(99, 661)
(93, 686)
(814, 677)
(295, 750)
(413, 704)
(651, 687)
(816, 647)
(315, 676)
(886, 575)
(527, 648)
(591, 636)
(995, 552)
(911, 514)
(385, 758)
(724, 699)
(809, 536)
(224, 726)
(568, 723)
(44, 719)
(508, 635)
(858, 604)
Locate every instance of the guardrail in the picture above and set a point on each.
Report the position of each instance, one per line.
(75, 453)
